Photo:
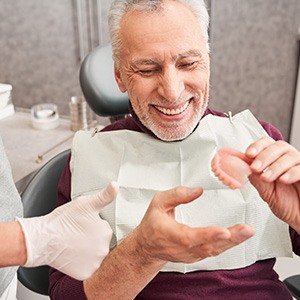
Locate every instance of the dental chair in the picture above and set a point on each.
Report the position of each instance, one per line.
(39, 196)
(99, 86)
(293, 284)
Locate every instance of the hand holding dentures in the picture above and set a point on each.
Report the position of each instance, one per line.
(273, 168)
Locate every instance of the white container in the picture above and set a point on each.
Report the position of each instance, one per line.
(44, 116)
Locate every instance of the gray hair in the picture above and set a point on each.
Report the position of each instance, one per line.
(120, 7)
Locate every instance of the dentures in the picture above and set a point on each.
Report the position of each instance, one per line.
(231, 167)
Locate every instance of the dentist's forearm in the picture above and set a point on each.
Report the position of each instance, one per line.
(12, 247)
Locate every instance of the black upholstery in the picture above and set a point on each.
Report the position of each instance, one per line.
(293, 284)
(99, 86)
(39, 198)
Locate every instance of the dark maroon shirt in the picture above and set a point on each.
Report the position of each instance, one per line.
(258, 281)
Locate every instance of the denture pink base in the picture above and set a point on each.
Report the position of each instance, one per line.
(231, 167)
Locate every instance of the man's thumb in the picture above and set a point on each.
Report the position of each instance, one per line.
(179, 195)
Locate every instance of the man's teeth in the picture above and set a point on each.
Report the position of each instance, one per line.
(172, 112)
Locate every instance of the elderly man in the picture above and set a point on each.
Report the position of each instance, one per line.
(178, 232)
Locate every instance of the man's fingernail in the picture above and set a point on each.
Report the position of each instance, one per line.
(246, 233)
(256, 164)
(194, 191)
(285, 177)
(251, 151)
(267, 173)
(223, 236)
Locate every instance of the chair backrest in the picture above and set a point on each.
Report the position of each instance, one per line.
(99, 86)
(39, 198)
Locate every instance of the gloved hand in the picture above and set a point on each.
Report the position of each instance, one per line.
(73, 238)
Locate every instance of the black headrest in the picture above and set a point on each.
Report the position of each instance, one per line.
(98, 83)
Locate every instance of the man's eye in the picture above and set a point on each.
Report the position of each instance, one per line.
(188, 65)
(147, 72)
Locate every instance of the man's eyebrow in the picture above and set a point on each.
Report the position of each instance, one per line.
(144, 61)
(189, 53)
(151, 62)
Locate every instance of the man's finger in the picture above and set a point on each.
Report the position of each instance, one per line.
(233, 235)
(180, 195)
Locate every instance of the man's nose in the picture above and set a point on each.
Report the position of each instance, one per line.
(171, 84)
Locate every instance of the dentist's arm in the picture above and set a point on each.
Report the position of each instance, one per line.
(72, 238)
(12, 246)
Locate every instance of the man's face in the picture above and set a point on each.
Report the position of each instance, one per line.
(164, 67)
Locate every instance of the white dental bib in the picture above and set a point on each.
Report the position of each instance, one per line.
(143, 165)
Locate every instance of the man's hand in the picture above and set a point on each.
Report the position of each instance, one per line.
(276, 176)
(157, 240)
(72, 238)
(162, 238)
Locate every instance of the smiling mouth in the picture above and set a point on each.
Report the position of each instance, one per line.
(173, 112)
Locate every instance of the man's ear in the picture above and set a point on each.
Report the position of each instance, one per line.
(119, 80)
